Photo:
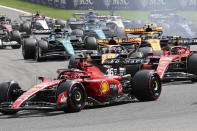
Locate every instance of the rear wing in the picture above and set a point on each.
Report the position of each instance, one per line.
(179, 40)
(26, 16)
(144, 30)
(120, 41)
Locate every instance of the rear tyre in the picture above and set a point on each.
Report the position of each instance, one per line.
(146, 85)
(9, 92)
(91, 43)
(26, 28)
(16, 37)
(191, 66)
(29, 48)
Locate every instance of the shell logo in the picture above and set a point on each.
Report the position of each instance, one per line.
(104, 87)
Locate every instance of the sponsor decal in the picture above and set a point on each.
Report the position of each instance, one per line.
(63, 2)
(62, 99)
(153, 3)
(188, 3)
(34, 89)
(109, 3)
(82, 2)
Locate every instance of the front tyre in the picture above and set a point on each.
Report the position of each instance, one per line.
(146, 85)
(39, 56)
(74, 96)
(9, 92)
(29, 48)
(91, 43)
(191, 66)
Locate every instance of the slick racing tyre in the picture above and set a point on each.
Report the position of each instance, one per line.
(191, 66)
(9, 92)
(90, 43)
(42, 45)
(74, 96)
(26, 28)
(146, 85)
(16, 37)
(29, 48)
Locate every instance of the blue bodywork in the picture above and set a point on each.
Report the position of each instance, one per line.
(64, 39)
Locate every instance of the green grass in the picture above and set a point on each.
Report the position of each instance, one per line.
(64, 14)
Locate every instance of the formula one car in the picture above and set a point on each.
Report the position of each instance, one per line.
(56, 44)
(90, 28)
(8, 35)
(35, 24)
(123, 47)
(85, 37)
(74, 89)
(175, 61)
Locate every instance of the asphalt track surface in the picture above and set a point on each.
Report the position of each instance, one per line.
(176, 109)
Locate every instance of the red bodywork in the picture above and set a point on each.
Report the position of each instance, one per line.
(7, 25)
(93, 88)
(165, 59)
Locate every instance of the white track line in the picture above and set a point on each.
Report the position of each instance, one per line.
(14, 9)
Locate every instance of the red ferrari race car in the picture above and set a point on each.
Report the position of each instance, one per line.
(9, 35)
(74, 89)
(174, 61)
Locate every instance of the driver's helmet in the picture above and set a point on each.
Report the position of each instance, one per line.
(2, 18)
(149, 35)
(58, 35)
(112, 42)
